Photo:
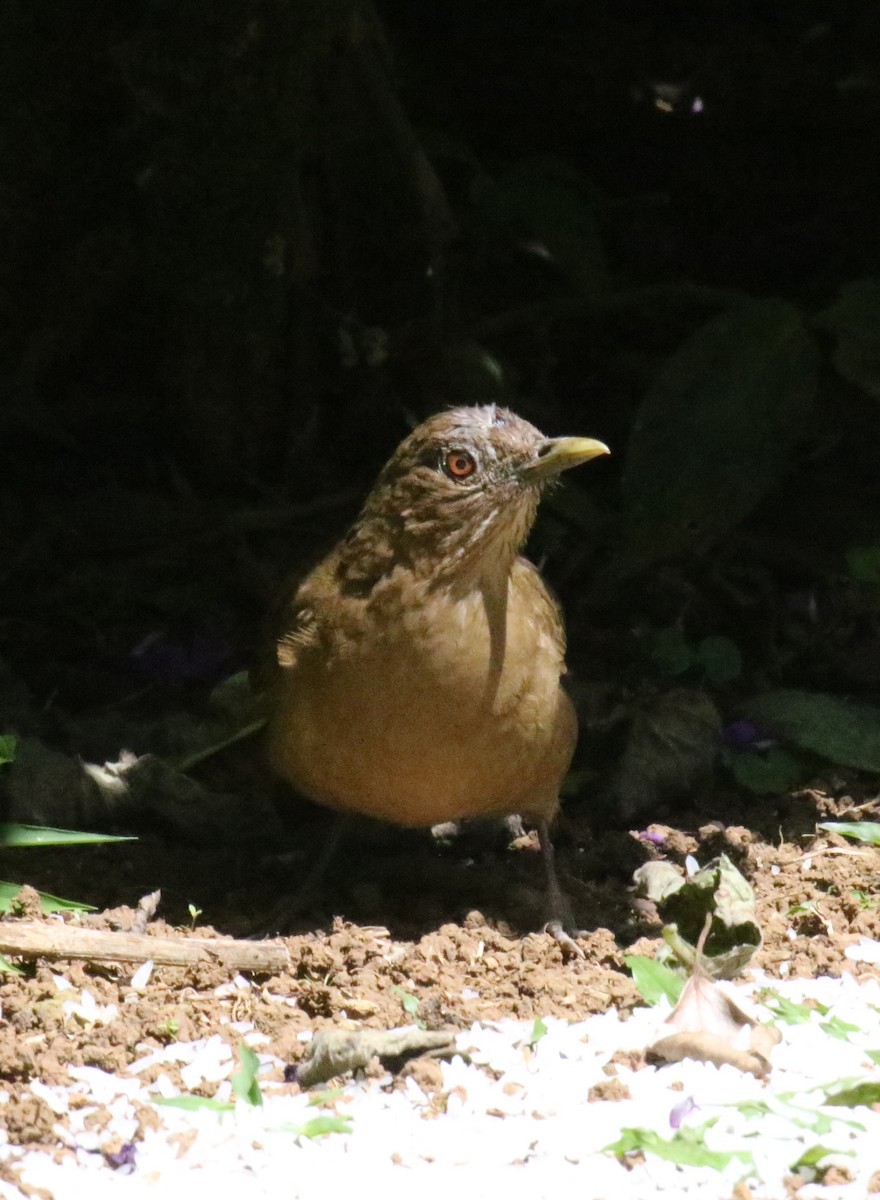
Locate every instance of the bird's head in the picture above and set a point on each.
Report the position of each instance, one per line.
(460, 493)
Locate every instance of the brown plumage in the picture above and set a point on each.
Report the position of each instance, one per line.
(417, 674)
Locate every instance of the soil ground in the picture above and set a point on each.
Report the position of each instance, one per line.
(141, 619)
(454, 924)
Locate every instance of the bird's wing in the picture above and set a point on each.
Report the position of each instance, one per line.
(300, 628)
(289, 625)
(540, 603)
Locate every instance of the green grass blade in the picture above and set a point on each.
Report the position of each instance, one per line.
(861, 831)
(654, 979)
(43, 835)
(48, 902)
(194, 1103)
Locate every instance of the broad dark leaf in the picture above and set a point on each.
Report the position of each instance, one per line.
(843, 732)
(854, 320)
(716, 431)
(767, 772)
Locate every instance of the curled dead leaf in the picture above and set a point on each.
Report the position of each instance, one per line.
(708, 1047)
(708, 1025)
(719, 890)
(336, 1051)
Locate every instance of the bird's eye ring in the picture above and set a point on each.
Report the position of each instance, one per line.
(459, 464)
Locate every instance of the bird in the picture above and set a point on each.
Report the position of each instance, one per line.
(416, 672)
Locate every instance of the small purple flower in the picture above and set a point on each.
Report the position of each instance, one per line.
(741, 735)
(124, 1160)
(683, 1109)
(745, 735)
(653, 836)
(202, 659)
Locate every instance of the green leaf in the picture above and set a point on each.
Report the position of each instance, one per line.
(48, 902)
(719, 890)
(320, 1125)
(671, 651)
(859, 831)
(766, 772)
(752, 1108)
(874, 1056)
(863, 564)
(716, 431)
(810, 1159)
(410, 1003)
(325, 1097)
(852, 1097)
(836, 1027)
(734, 895)
(244, 1080)
(844, 733)
(654, 979)
(804, 906)
(8, 742)
(788, 1011)
(854, 320)
(686, 1148)
(539, 1030)
(193, 1103)
(720, 658)
(804, 1118)
(8, 968)
(43, 835)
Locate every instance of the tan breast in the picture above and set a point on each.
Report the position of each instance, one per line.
(437, 709)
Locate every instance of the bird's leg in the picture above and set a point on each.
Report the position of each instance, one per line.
(560, 923)
(291, 906)
(515, 827)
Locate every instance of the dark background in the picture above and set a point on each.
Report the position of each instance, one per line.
(245, 245)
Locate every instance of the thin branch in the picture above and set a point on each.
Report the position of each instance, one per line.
(50, 939)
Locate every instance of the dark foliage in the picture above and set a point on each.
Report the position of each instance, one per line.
(245, 244)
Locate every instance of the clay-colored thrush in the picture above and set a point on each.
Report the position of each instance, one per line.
(418, 667)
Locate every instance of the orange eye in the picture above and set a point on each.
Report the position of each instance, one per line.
(458, 464)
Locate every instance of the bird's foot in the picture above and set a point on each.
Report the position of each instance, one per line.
(561, 924)
(560, 934)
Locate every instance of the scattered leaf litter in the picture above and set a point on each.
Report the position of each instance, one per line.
(576, 1106)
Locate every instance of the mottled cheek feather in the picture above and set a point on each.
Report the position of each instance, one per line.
(436, 525)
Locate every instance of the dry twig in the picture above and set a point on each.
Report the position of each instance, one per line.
(50, 939)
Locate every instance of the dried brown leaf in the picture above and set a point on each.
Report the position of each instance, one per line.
(336, 1051)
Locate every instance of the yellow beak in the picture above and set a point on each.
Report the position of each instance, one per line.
(558, 454)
